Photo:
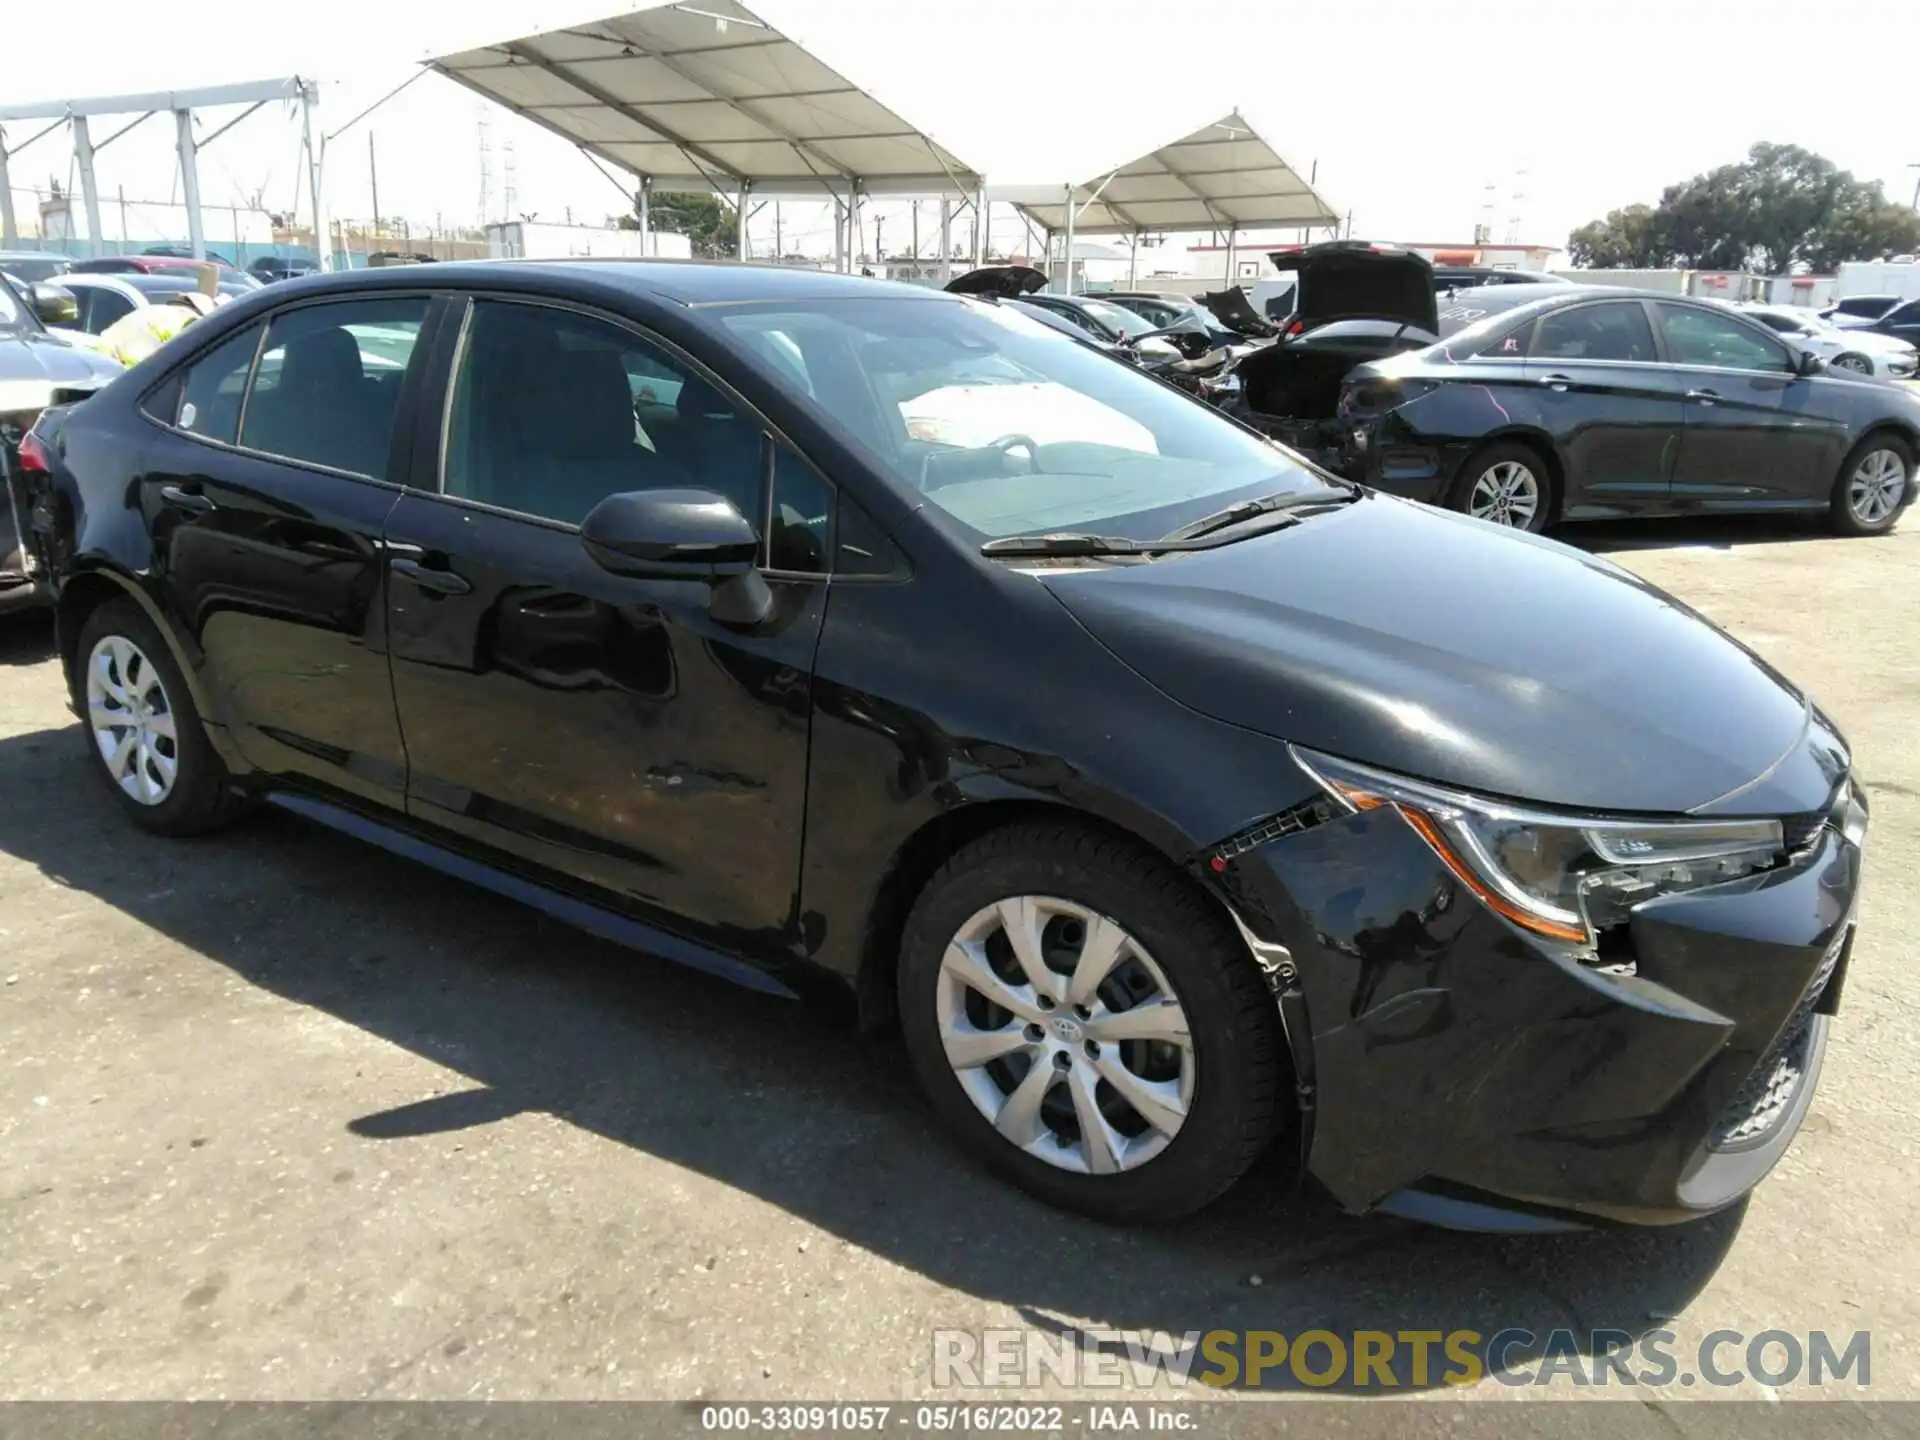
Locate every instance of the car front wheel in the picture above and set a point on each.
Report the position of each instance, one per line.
(1872, 488)
(1089, 1025)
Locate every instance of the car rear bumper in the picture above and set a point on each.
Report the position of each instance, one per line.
(1448, 1056)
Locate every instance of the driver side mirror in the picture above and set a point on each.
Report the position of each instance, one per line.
(682, 535)
(1808, 364)
(54, 304)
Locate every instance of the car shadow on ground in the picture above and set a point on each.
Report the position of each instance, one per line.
(26, 639)
(783, 1101)
(1692, 532)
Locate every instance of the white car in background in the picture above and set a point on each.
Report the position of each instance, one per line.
(1862, 351)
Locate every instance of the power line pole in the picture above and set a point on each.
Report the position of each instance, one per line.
(373, 177)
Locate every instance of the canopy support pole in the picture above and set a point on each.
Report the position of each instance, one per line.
(1232, 279)
(981, 213)
(316, 177)
(190, 183)
(741, 248)
(89, 191)
(647, 247)
(946, 240)
(1068, 289)
(9, 228)
(1133, 259)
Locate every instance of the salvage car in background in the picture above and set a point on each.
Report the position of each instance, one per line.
(158, 265)
(28, 266)
(768, 684)
(1562, 402)
(1900, 321)
(1864, 351)
(102, 299)
(38, 368)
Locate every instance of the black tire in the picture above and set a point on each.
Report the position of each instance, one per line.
(1852, 363)
(1506, 452)
(1239, 1094)
(202, 795)
(1841, 513)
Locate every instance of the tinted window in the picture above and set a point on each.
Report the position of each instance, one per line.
(554, 411)
(216, 383)
(1907, 314)
(105, 308)
(862, 547)
(328, 386)
(800, 523)
(1616, 330)
(983, 413)
(1773, 320)
(1701, 337)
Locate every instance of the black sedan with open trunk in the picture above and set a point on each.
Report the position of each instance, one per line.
(1172, 797)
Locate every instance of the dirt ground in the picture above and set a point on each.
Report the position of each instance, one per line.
(282, 1116)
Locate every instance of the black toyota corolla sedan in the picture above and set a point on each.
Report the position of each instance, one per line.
(1171, 795)
(1565, 402)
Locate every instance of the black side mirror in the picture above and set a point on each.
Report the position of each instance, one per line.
(682, 535)
(54, 304)
(1809, 364)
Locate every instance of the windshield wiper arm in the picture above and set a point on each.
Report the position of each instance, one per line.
(1063, 543)
(1235, 515)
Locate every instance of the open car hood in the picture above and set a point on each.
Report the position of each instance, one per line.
(1006, 281)
(1233, 309)
(1356, 280)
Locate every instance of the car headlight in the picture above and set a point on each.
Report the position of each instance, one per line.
(1562, 876)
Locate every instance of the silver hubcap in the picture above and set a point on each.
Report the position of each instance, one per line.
(1506, 494)
(1851, 362)
(1878, 484)
(132, 720)
(1065, 1034)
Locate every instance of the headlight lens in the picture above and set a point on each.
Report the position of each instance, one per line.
(1564, 877)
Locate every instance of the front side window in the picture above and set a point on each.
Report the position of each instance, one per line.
(105, 307)
(1700, 337)
(216, 384)
(1615, 330)
(1008, 427)
(328, 385)
(553, 411)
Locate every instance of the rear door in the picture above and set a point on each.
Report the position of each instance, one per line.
(267, 488)
(602, 727)
(1756, 435)
(1614, 410)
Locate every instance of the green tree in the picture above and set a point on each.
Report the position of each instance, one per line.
(1781, 207)
(711, 228)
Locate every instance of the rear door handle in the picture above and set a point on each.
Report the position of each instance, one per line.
(441, 582)
(186, 499)
(1556, 382)
(1705, 397)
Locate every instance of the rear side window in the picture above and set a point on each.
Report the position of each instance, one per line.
(328, 386)
(215, 385)
(1615, 330)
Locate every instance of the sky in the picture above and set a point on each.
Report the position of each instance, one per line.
(1423, 120)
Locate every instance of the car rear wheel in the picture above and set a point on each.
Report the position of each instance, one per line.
(1505, 485)
(1872, 488)
(142, 730)
(1859, 364)
(1089, 1025)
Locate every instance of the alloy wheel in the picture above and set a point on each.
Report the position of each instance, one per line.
(1507, 493)
(1859, 364)
(1065, 1034)
(1877, 486)
(132, 720)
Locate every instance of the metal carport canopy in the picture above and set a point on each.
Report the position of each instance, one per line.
(709, 97)
(1223, 176)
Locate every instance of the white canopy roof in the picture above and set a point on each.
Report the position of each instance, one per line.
(1222, 176)
(703, 96)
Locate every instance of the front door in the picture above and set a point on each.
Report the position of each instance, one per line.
(267, 493)
(1755, 437)
(1600, 389)
(603, 728)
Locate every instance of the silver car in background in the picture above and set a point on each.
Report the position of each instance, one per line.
(1862, 351)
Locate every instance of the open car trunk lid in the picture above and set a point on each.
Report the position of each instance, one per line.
(1233, 309)
(1358, 280)
(1004, 281)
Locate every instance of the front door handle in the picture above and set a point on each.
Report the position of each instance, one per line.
(441, 582)
(186, 499)
(1556, 382)
(1705, 397)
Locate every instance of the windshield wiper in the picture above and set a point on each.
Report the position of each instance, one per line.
(1063, 543)
(1239, 514)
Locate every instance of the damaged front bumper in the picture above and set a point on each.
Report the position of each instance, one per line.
(1453, 1070)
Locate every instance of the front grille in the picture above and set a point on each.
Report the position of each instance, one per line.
(1772, 1085)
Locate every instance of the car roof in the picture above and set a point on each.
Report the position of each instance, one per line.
(699, 282)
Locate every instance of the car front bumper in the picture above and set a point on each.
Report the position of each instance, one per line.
(1443, 1054)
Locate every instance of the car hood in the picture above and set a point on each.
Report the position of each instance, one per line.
(1446, 648)
(1006, 281)
(1233, 309)
(1343, 280)
(37, 369)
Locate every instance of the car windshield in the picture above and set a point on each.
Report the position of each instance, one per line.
(1007, 427)
(1118, 317)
